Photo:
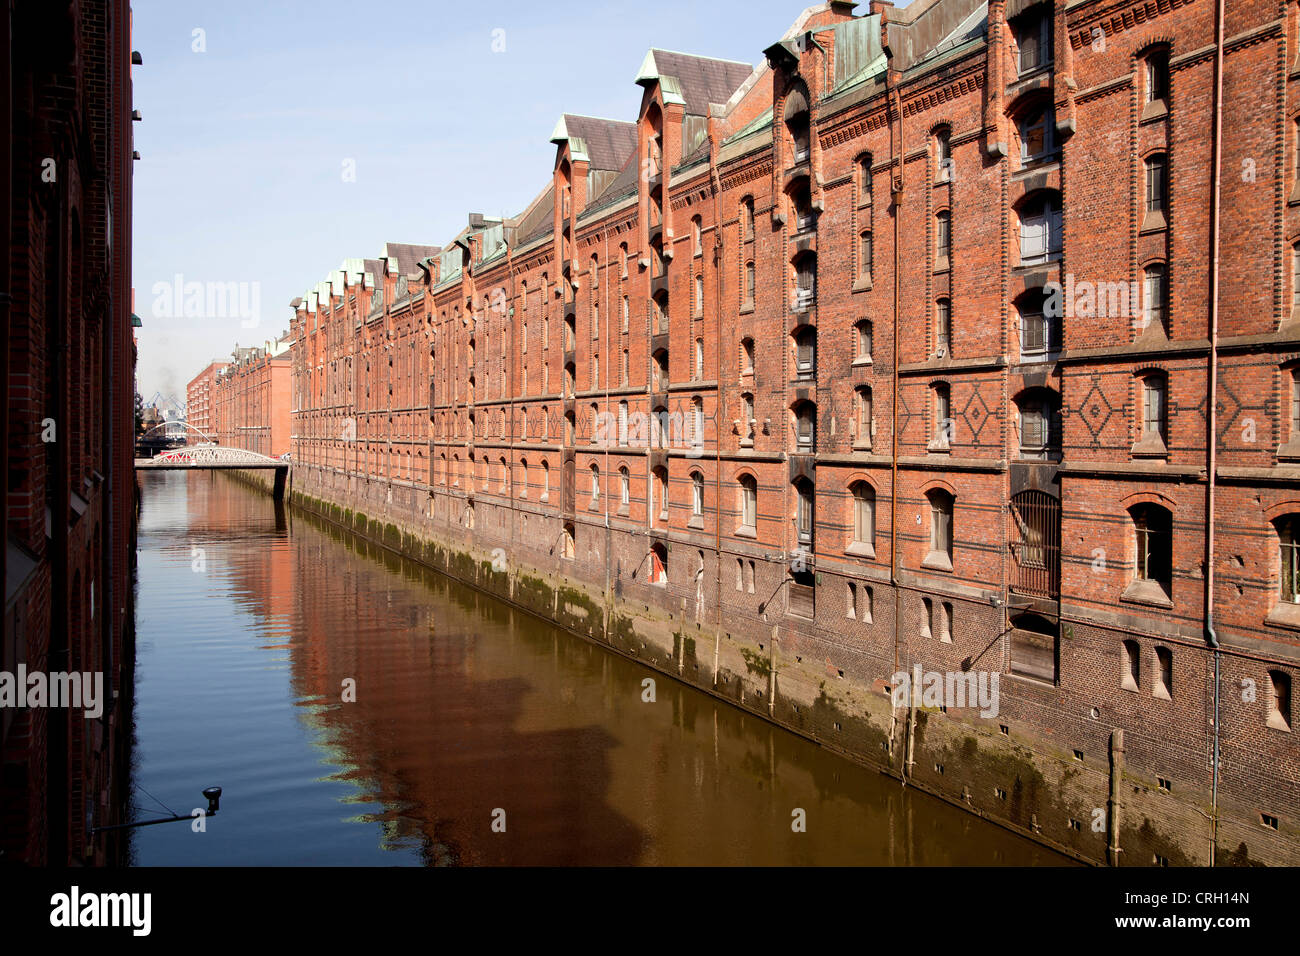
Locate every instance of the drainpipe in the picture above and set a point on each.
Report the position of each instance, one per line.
(1211, 438)
(719, 396)
(896, 197)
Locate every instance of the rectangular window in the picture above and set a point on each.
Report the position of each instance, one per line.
(1153, 414)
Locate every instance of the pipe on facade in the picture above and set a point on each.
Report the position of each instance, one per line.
(1211, 415)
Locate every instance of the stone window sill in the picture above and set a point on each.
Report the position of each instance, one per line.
(1154, 110)
(696, 522)
(1284, 614)
(862, 549)
(1150, 446)
(939, 447)
(747, 306)
(1150, 593)
(1154, 221)
(745, 531)
(622, 511)
(863, 284)
(937, 561)
(941, 264)
(862, 361)
(1289, 451)
(862, 446)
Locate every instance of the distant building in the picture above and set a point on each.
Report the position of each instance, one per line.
(199, 396)
(250, 404)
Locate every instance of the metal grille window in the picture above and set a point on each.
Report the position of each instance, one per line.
(1037, 519)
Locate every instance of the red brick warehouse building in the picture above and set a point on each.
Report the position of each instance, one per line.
(250, 404)
(65, 295)
(892, 351)
(200, 394)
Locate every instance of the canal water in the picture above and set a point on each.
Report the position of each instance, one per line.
(468, 716)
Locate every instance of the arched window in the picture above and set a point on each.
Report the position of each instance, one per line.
(865, 255)
(697, 243)
(747, 421)
(1040, 228)
(941, 530)
(942, 155)
(1279, 709)
(864, 514)
(943, 239)
(747, 218)
(1153, 545)
(697, 494)
(805, 271)
(862, 416)
(699, 359)
(1155, 297)
(1131, 675)
(1154, 438)
(658, 564)
(943, 328)
(697, 421)
(1157, 82)
(944, 429)
(864, 180)
(659, 486)
(797, 123)
(804, 520)
(697, 297)
(1040, 328)
(1288, 540)
(523, 477)
(748, 502)
(749, 284)
(805, 414)
(1037, 131)
(595, 483)
(805, 352)
(1033, 35)
(1157, 190)
(624, 485)
(1040, 428)
(862, 341)
(546, 479)
(747, 356)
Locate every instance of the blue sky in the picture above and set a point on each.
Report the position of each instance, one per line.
(243, 145)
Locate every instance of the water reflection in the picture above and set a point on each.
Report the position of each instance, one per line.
(252, 623)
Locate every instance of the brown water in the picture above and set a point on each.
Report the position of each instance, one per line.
(251, 619)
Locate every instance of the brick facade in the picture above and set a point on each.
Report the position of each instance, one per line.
(69, 421)
(200, 395)
(250, 405)
(890, 352)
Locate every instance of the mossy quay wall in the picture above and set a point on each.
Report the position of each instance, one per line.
(1097, 807)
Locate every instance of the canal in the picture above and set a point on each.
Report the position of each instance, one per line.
(464, 716)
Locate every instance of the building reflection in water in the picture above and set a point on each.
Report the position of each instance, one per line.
(463, 707)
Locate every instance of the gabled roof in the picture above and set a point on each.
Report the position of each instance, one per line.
(695, 81)
(604, 143)
(405, 255)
